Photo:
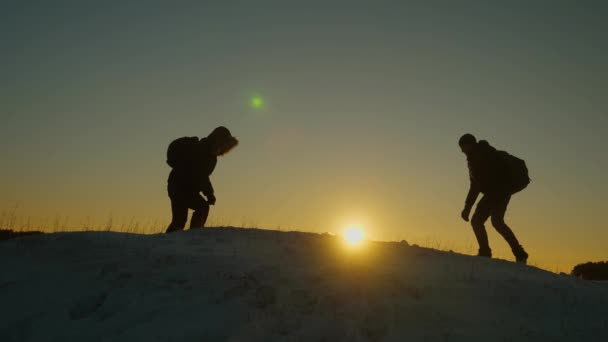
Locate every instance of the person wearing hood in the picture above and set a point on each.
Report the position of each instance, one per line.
(489, 173)
(193, 161)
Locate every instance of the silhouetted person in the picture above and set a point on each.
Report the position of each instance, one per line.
(192, 161)
(497, 175)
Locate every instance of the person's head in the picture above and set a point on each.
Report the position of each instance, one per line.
(467, 142)
(222, 141)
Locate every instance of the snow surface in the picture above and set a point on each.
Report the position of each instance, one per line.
(228, 284)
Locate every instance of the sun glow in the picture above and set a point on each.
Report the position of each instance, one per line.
(256, 102)
(354, 236)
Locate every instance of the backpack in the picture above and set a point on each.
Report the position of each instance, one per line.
(517, 172)
(181, 151)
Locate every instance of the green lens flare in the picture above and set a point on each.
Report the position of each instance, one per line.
(257, 102)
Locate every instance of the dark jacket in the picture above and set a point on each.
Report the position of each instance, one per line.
(487, 172)
(194, 175)
(204, 166)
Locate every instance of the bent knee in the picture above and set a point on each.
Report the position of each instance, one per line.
(202, 207)
(498, 222)
(477, 221)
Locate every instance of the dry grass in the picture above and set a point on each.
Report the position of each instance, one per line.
(10, 220)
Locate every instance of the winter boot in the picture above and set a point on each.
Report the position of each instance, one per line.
(520, 255)
(485, 252)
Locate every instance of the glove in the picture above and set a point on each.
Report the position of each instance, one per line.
(465, 214)
(211, 199)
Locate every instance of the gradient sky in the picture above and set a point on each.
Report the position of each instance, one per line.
(364, 105)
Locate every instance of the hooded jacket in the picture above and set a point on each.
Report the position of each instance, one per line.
(193, 176)
(487, 172)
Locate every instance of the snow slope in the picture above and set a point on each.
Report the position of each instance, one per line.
(227, 284)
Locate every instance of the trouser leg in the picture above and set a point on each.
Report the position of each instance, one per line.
(201, 211)
(482, 212)
(498, 221)
(179, 213)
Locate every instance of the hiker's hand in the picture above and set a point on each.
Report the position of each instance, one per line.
(211, 199)
(465, 214)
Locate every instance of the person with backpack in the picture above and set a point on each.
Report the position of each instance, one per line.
(497, 175)
(192, 161)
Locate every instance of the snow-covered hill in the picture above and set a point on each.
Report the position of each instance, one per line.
(227, 284)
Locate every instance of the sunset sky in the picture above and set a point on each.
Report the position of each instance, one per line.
(363, 105)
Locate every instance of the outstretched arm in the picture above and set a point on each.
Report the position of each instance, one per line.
(472, 195)
(207, 189)
(470, 200)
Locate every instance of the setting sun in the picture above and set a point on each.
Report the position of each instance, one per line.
(354, 236)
